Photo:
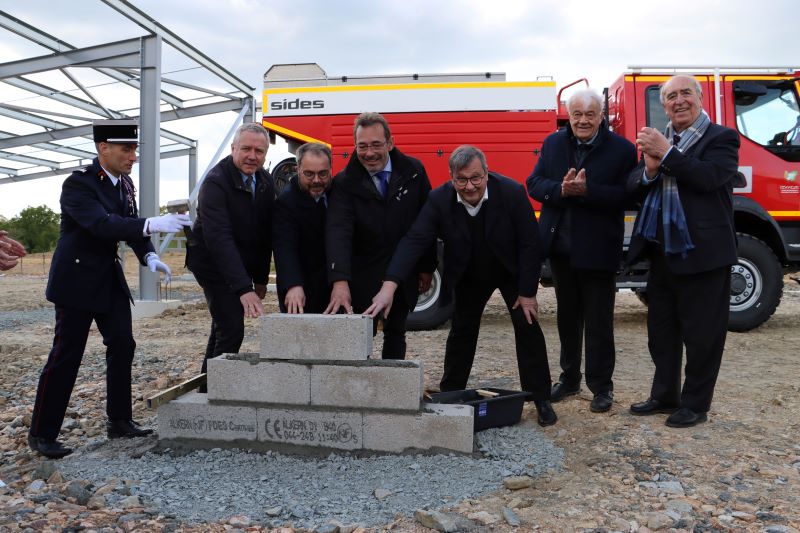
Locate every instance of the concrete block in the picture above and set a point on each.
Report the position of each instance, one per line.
(378, 384)
(308, 336)
(192, 417)
(306, 427)
(437, 426)
(246, 378)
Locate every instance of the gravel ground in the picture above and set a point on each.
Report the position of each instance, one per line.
(208, 486)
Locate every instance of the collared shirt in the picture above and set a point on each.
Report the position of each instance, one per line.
(114, 179)
(374, 175)
(253, 183)
(473, 210)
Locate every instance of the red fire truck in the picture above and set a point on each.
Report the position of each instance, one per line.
(432, 114)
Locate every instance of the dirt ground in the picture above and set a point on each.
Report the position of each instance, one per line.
(740, 471)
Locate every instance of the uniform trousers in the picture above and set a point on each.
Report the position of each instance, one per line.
(585, 306)
(688, 310)
(471, 296)
(61, 370)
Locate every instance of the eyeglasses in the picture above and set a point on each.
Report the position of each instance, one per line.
(376, 145)
(310, 174)
(475, 180)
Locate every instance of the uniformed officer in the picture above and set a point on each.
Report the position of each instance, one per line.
(86, 284)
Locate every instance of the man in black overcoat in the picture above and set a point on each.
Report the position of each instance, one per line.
(299, 233)
(230, 245)
(685, 227)
(491, 241)
(378, 196)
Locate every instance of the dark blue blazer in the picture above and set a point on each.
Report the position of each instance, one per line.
(511, 233)
(85, 266)
(705, 175)
(598, 219)
(298, 243)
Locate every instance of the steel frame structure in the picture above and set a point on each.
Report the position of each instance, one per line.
(135, 63)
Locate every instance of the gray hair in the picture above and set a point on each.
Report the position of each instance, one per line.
(317, 149)
(369, 118)
(253, 127)
(587, 96)
(697, 87)
(463, 156)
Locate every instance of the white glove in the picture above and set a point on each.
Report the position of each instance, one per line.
(169, 223)
(154, 263)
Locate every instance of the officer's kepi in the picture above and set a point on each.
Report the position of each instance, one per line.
(115, 131)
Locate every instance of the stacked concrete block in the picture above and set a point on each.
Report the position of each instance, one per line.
(312, 385)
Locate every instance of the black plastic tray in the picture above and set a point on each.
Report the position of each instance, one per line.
(502, 410)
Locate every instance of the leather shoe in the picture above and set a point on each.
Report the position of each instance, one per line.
(561, 391)
(602, 402)
(685, 418)
(547, 417)
(48, 447)
(120, 427)
(651, 407)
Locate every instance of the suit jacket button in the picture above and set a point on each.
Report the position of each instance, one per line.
(546, 196)
(77, 260)
(552, 230)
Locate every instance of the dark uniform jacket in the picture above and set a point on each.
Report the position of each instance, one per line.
(363, 228)
(705, 176)
(511, 234)
(232, 236)
(94, 219)
(597, 226)
(299, 243)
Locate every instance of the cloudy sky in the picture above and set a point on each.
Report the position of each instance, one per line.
(564, 39)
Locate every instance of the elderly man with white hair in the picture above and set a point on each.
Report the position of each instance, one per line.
(580, 181)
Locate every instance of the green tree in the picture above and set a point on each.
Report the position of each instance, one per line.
(36, 228)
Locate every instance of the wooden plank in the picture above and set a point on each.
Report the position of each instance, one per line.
(487, 393)
(173, 392)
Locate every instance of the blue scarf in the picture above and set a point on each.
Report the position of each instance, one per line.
(676, 232)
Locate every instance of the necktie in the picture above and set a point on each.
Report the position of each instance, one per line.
(383, 182)
(118, 188)
(249, 184)
(676, 139)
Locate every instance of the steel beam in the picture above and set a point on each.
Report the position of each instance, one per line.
(11, 156)
(71, 169)
(151, 25)
(49, 92)
(78, 131)
(46, 40)
(149, 149)
(118, 54)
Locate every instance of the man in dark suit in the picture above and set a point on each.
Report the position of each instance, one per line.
(378, 196)
(87, 284)
(580, 181)
(230, 245)
(491, 241)
(685, 227)
(299, 233)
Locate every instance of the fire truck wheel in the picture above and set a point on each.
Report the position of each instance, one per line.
(756, 284)
(430, 311)
(283, 173)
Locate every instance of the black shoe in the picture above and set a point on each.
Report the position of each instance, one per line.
(48, 447)
(685, 418)
(547, 417)
(651, 407)
(561, 391)
(121, 427)
(602, 402)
